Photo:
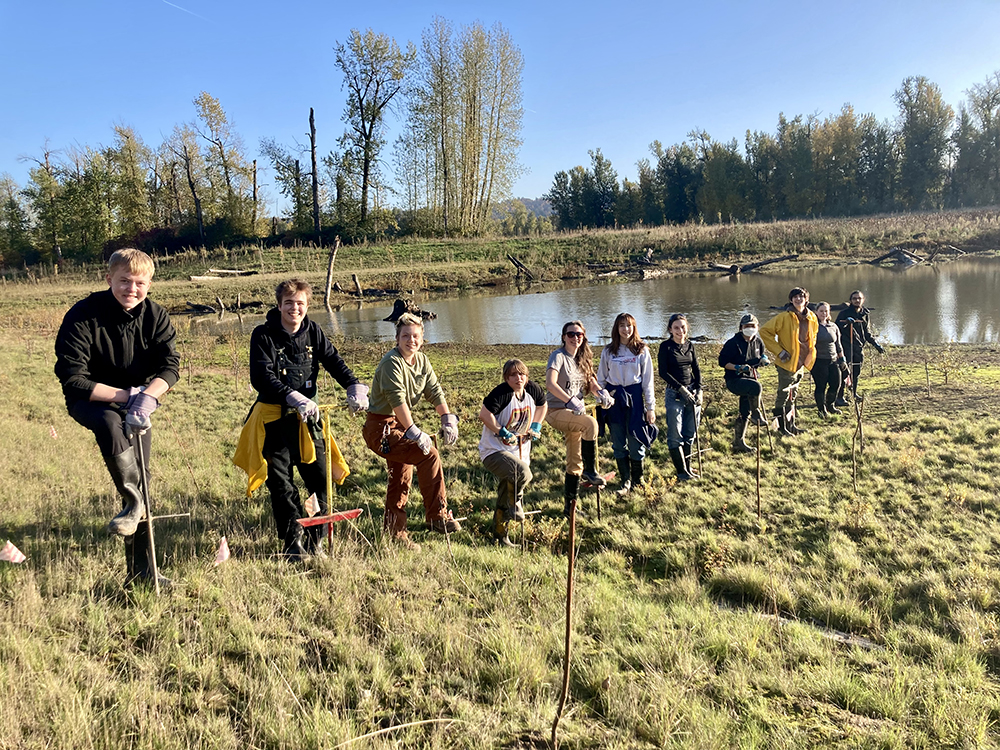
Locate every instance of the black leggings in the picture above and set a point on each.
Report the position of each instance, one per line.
(826, 376)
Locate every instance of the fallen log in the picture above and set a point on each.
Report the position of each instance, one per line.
(402, 306)
(232, 272)
(521, 268)
(204, 278)
(736, 270)
(654, 273)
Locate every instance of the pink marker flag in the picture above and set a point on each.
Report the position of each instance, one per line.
(223, 554)
(312, 505)
(11, 554)
(52, 432)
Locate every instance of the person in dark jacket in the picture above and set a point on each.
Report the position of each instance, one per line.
(678, 365)
(512, 416)
(115, 359)
(854, 322)
(830, 362)
(740, 357)
(286, 352)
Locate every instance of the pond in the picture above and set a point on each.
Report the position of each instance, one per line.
(955, 301)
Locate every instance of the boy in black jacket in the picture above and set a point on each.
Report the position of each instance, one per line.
(286, 352)
(115, 358)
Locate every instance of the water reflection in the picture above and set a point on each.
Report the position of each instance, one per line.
(958, 301)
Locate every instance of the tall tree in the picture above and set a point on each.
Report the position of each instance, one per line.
(15, 226)
(374, 70)
(924, 122)
(226, 164)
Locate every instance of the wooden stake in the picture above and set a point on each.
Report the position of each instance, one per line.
(569, 621)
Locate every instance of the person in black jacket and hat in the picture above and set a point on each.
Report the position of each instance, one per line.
(115, 359)
(740, 357)
(854, 322)
(286, 352)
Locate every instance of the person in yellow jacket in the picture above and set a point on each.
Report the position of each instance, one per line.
(790, 337)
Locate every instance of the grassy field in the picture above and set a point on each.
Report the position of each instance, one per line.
(473, 265)
(866, 619)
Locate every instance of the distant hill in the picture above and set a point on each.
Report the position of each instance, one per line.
(537, 206)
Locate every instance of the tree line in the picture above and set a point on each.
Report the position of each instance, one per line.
(449, 173)
(840, 165)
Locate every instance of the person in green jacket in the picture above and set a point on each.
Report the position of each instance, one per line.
(790, 337)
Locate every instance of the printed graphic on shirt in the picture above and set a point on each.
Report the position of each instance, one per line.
(520, 417)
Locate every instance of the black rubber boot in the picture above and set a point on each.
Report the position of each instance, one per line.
(124, 470)
(570, 493)
(783, 426)
(624, 476)
(821, 407)
(500, 526)
(831, 408)
(589, 450)
(636, 468)
(295, 543)
(739, 437)
(677, 456)
(688, 451)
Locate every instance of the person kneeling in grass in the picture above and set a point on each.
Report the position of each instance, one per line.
(115, 358)
(286, 352)
(512, 416)
(402, 378)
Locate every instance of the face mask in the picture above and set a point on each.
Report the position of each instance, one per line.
(750, 330)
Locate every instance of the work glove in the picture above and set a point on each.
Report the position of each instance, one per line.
(686, 395)
(449, 429)
(699, 397)
(764, 361)
(306, 407)
(878, 347)
(605, 399)
(507, 437)
(138, 409)
(357, 398)
(535, 431)
(421, 438)
(784, 356)
(576, 406)
(742, 369)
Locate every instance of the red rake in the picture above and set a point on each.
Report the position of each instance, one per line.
(330, 520)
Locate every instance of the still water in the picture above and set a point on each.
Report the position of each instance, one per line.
(956, 301)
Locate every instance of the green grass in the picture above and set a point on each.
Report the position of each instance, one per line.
(868, 620)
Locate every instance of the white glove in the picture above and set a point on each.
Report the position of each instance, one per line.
(421, 438)
(306, 407)
(449, 429)
(576, 406)
(605, 399)
(357, 398)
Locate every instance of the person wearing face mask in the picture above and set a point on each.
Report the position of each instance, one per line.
(854, 322)
(740, 357)
(512, 415)
(568, 379)
(678, 365)
(790, 337)
(626, 371)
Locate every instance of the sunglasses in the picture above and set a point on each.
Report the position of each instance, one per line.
(575, 334)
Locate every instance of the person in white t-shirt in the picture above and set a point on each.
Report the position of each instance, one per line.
(512, 415)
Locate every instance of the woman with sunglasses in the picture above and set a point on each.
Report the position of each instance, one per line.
(570, 376)
(626, 371)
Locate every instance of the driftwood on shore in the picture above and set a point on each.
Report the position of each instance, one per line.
(521, 268)
(900, 255)
(736, 269)
(406, 306)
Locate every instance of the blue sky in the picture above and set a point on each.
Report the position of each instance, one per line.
(604, 75)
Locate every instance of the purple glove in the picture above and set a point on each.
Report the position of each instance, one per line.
(357, 398)
(449, 429)
(421, 438)
(576, 406)
(306, 408)
(138, 409)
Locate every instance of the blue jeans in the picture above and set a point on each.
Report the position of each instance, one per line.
(624, 443)
(682, 419)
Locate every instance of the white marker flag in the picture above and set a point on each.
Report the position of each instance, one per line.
(223, 554)
(312, 505)
(11, 554)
